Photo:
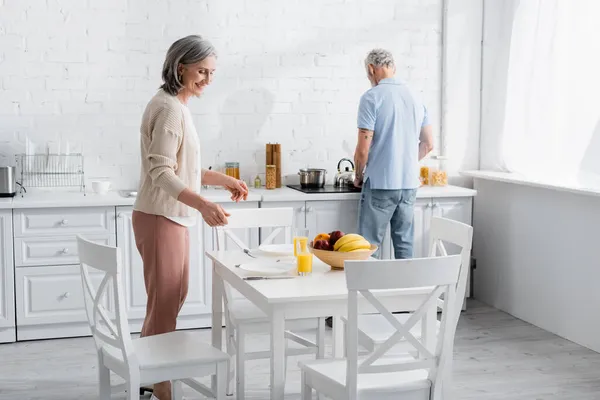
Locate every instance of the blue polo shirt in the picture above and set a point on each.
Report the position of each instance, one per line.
(396, 117)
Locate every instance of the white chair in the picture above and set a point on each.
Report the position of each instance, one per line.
(176, 356)
(373, 330)
(379, 376)
(242, 316)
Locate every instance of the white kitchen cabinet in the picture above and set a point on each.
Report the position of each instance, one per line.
(331, 215)
(50, 302)
(195, 313)
(53, 250)
(299, 217)
(7, 279)
(64, 221)
(422, 221)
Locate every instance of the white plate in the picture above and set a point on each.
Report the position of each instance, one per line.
(268, 267)
(277, 250)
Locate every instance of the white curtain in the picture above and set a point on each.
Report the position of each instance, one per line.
(545, 115)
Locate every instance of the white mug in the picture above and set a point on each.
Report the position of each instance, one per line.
(101, 187)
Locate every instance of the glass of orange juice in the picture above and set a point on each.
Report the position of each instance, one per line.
(301, 252)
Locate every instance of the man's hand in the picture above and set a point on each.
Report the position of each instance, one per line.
(361, 155)
(237, 188)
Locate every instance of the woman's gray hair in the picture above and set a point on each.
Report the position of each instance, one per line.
(379, 58)
(188, 50)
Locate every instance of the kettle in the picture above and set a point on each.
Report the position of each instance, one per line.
(345, 178)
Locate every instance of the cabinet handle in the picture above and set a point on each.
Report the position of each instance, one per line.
(65, 251)
(302, 209)
(428, 205)
(436, 205)
(310, 209)
(66, 295)
(64, 222)
(120, 215)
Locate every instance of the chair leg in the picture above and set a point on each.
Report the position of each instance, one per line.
(104, 381)
(321, 338)
(305, 390)
(176, 390)
(133, 389)
(222, 383)
(287, 348)
(231, 350)
(240, 359)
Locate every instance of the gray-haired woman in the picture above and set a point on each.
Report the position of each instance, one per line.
(171, 177)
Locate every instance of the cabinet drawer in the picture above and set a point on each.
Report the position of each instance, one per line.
(64, 221)
(57, 250)
(51, 295)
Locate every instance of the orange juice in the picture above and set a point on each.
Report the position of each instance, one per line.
(304, 263)
(302, 242)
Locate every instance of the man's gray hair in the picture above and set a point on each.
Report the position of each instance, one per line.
(379, 58)
(188, 50)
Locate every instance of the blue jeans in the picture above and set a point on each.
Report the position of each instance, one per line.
(378, 208)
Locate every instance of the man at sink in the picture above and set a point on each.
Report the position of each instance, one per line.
(394, 134)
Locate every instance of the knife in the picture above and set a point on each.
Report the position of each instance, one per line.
(257, 278)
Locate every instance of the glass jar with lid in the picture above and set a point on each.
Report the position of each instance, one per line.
(439, 172)
(232, 169)
(425, 171)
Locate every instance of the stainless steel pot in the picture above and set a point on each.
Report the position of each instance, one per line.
(312, 177)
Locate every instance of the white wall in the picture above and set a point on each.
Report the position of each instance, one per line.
(462, 84)
(288, 71)
(537, 257)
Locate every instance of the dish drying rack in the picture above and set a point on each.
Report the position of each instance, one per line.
(50, 170)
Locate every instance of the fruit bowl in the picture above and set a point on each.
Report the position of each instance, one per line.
(335, 259)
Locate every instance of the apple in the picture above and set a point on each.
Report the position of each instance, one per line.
(321, 245)
(334, 237)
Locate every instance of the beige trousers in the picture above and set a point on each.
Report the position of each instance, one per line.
(164, 247)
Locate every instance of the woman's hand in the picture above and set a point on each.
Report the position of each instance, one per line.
(213, 214)
(238, 189)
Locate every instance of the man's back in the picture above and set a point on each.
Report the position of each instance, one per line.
(395, 116)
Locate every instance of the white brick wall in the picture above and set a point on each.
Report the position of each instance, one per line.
(288, 71)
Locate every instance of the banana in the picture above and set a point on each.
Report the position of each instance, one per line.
(350, 237)
(360, 244)
(358, 250)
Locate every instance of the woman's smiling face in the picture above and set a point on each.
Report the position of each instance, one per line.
(195, 77)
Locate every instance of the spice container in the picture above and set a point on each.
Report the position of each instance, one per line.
(439, 173)
(271, 178)
(232, 169)
(257, 182)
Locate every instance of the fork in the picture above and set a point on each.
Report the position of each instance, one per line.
(247, 251)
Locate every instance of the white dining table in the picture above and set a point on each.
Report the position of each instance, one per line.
(321, 294)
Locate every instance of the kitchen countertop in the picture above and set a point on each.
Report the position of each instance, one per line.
(586, 185)
(45, 198)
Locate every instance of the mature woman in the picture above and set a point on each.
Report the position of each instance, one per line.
(168, 199)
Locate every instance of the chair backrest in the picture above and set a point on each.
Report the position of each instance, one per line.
(281, 219)
(437, 275)
(443, 230)
(109, 327)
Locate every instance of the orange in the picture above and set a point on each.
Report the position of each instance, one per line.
(321, 236)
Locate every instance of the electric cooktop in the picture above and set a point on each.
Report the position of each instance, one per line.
(326, 189)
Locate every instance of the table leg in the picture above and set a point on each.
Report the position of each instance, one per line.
(217, 314)
(338, 337)
(277, 355)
